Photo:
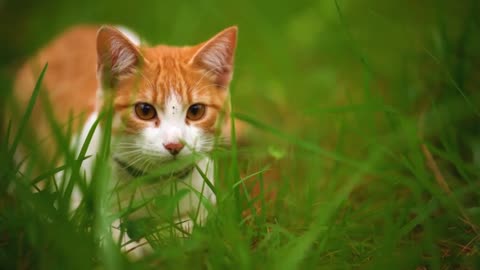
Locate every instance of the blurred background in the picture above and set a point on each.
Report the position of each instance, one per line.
(341, 98)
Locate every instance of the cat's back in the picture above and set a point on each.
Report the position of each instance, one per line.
(69, 85)
(70, 80)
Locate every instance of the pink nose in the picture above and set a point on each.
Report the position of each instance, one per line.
(173, 148)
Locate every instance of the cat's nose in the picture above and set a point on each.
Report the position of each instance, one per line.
(173, 148)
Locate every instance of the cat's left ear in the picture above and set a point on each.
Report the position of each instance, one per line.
(117, 56)
(215, 57)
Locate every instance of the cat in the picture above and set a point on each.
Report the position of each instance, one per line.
(168, 103)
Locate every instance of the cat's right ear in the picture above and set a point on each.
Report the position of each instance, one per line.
(117, 56)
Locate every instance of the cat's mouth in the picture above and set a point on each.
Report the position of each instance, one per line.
(136, 172)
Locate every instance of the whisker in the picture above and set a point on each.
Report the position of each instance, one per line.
(137, 160)
(128, 154)
(145, 165)
(126, 144)
(120, 148)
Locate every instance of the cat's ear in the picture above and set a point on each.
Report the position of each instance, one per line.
(117, 56)
(216, 56)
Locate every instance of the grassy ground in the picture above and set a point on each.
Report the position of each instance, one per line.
(363, 117)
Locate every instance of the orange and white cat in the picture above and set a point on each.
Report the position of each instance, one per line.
(167, 103)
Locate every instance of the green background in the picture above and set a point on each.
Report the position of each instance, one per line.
(339, 98)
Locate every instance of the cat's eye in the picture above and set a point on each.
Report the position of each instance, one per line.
(196, 111)
(145, 111)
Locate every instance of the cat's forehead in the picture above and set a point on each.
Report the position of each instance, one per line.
(168, 67)
(167, 56)
(167, 78)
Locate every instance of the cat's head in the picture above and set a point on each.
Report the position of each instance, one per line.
(167, 101)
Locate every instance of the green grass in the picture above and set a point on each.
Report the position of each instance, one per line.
(341, 99)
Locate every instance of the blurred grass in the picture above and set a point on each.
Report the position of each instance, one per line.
(340, 97)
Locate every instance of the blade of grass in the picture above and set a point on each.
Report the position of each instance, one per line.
(50, 173)
(28, 112)
(311, 147)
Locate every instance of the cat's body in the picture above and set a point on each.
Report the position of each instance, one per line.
(167, 103)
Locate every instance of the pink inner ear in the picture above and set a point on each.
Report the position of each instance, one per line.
(117, 56)
(124, 57)
(216, 56)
